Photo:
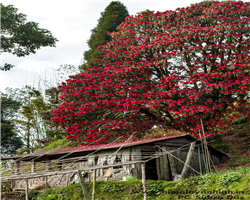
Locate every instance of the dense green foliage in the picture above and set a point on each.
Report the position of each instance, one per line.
(113, 16)
(29, 122)
(19, 37)
(10, 141)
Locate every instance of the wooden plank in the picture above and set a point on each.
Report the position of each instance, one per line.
(171, 162)
(136, 156)
(48, 164)
(33, 166)
(125, 157)
(158, 165)
(27, 189)
(59, 166)
(1, 191)
(189, 156)
(158, 169)
(17, 167)
(100, 162)
(94, 181)
(84, 188)
(161, 165)
(178, 164)
(144, 181)
(125, 154)
(111, 161)
(166, 166)
(147, 146)
(199, 155)
(91, 160)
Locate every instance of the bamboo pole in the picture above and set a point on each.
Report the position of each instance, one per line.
(206, 148)
(144, 181)
(84, 189)
(1, 190)
(33, 166)
(204, 158)
(199, 154)
(27, 190)
(189, 156)
(94, 180)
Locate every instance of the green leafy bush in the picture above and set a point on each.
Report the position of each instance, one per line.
(228, 178)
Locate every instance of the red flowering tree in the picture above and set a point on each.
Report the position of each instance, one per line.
(168, 69)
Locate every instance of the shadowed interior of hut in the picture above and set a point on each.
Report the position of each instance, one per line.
(151, 170)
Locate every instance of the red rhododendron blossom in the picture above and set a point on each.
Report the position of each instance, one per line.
(167, 69)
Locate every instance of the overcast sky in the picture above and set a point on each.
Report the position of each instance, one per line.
(70, 22)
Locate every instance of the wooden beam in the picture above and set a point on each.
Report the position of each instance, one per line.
(158, 164)
(136, 156)
(48, 165)
(144, 181)
(166, 166)
(59, 166)
(84, 189)
(27, 189)
(172, 162)
(94, 180)
(189, 156)
(199, 159)
(17, 167)
(33, 166)
(1, 190)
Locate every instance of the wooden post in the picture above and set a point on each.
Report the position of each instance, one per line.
(171, 161)
(158, 151)
(1, 191)
(166, 166)
(84, 189)
(59, 166)
(136, 155)
(199, 154)
(189, 156)
(48, 165)
(17, 167)
(94, 180)
(144, 181)
(27, 190)
(33, 166)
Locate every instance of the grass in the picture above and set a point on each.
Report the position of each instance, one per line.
(222, 184)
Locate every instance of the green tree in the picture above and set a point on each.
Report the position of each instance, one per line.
(20, 37)
(113, 16)
(33, 121)
(29, 122)
(10, 141)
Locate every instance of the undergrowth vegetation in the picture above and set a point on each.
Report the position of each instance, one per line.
(222, 184)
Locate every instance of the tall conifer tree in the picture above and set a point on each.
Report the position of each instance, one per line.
(114, 14)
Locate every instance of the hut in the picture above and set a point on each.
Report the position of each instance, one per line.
(162, 157)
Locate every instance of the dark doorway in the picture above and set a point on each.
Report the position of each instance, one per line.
(151, 170)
